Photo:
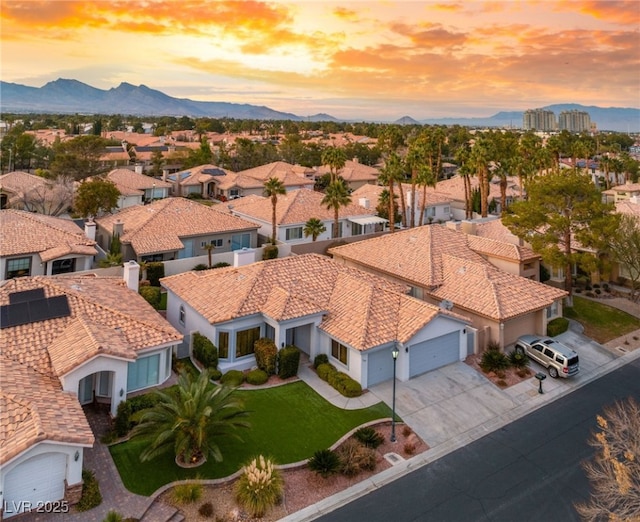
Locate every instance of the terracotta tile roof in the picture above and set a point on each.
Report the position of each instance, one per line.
(372, 192)
(626, 187)
(22, 188)
(159, 226)
(296, 207)
(20, 182)
(494, 229)
(494, 248)
(290, 175)
(443, 262)
(454, 187)
(33, 408)
(133, 181)
(353, 171)
(627, 207)
(24, 232)
(199, 174)
(105, 315)
(361, 309)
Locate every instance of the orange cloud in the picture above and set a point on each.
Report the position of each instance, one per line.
(625, 12)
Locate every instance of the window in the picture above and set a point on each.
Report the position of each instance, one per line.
(18, 267)
(104, 384)
(446, 211)
(234, 193)
(339, 228)
(223, 345)
(552, 311)
(154, 258)
(245, 340)
(167, 362)
(217, 243)
(294, 233)
(357, 229)
(239, 241)
(269, 332)
(339, 351)
(431, 212)
(182, 315)
(143, 373)
(63, 266)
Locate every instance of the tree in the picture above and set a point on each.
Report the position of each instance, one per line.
(79, 158)
(273, 187)
(390, 174)
(384, 206)
(52, 198)
(96, 196)
(314, 227)
(564, 209)
(625, 249)
(337, 196)
(157, 163)
(335, 158)
(209, 247)
(614, 472)
(191, 420)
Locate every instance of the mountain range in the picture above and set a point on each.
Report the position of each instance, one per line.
(73, 96)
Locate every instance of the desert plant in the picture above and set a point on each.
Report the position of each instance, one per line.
(221, 264)
(259, 487)
(324, 462)
(518, 359)
(266, 353)
(232, 378)
(321, 358)
(91, 496)
(493, 360)
(112, 516)
(406, 430)
(369, 437)
(257, 377)
(187, 493)
(205, 351)
(288, 361)
(206, 510)
(502, 383)
(199, 267)
(269, 252)
(354, 458)
(409, 448)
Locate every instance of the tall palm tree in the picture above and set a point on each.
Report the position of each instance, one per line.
(313, 227)
(416, 159)
(191, 420)
(273, 187)
(336, 196)
(335, 158)
(426, 178)
(392, 173)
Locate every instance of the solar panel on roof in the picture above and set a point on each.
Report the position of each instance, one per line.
(213, 172)
(59, 307)
(17, 314)
(27, 312)
(26, 295)
(38, 310)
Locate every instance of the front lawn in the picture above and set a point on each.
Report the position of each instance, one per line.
(288, 423)
(601, 323)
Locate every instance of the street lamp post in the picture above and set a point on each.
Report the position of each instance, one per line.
(394, 354)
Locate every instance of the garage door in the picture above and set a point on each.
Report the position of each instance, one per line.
(39, 479)
(380, 367)
(434, 353)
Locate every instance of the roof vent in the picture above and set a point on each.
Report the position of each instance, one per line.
(445, 304)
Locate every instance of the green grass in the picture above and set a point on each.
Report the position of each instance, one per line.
(163, 301)
(601, 322)
(288, 423)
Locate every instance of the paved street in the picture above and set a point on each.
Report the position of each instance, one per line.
(527, 470)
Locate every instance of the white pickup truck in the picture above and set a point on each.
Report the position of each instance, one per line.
(559, 360)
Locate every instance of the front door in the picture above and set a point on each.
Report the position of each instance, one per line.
(85, 391)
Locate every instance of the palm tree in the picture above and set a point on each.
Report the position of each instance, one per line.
(273, 187)
(191, 420)
(314, 227)
(426, 178)
(209, 247)
(336, 196)
(335, 158)
(391, 173)
(416, 160)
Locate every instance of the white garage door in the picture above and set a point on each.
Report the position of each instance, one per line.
(434, 353)
(379, 367)
(38, 479)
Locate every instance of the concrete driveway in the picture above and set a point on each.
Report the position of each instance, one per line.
(457, 402)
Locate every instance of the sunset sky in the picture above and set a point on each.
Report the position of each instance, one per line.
(368, 60)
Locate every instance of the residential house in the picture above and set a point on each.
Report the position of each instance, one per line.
(296, 207)
(320, 306)
(66, 341)
(24, 191)
(136, 188)
(34, 244)
(354, 173)
(174, 228)
(447, 268)
(199, 181)
(622, 192)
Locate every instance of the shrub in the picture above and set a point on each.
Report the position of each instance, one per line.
(557, 326)
(493, 360)
(522, 372)
(596, 285)
(321, 358)
(259, 487)
(266, 353)
(288, 361)
(605, 287)
(232, 378)
(221, 264)
(578, 290)
(199, 267)
(354, 458)
(91, 496)
(351, 388)
(518, 360)
(502, 383)
(369, 437)
(590, 294)
(151, 294)
(324, 370)
(336, 379)
(257, 377)
(187, 493)
(215, 374)
(205, 351)
(406, 430)
(155, 272)
(126, 414)
(598, 291)
(324, 462)
(409, 448)
(112, 516)
(270, 252)
(206, 510)
(122, 423)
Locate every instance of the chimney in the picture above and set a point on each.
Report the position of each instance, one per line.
(468, 227)
(118, 228)
(364, 202)
(165, 172)
(132, 274)
(138, 169)
(90, 230)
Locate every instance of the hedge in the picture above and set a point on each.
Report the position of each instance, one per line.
(340, 381)
(324, 370)
(288, 361)
(257, 377)
(557, 326)
(266, 353)
(232, 378)
(205, 351)
(151, 294)
(155, 272)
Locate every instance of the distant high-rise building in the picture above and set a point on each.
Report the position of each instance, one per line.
(539, 119)
(574, 121)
